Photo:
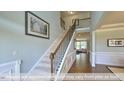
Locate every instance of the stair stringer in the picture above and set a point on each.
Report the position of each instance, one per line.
(42, 69)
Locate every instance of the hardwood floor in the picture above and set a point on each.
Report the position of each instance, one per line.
(81, 70)
(82, 65)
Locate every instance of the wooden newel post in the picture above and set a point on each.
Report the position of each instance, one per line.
(52, 71)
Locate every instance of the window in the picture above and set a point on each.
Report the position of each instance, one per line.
(82, 44)
(78, 45)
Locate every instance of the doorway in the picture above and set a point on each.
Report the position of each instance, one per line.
(81, 46)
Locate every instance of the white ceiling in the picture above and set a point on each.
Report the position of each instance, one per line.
(67, 13)
(82, 35)
(113, 17)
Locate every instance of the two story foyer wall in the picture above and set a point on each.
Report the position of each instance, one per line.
(14, 44)
(109, 55)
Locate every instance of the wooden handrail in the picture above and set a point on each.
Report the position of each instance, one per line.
(54, 51)
(85, 18)
(59, 43)
(78, 21)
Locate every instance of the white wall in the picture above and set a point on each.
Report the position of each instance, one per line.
(109, 55)
(14, 44)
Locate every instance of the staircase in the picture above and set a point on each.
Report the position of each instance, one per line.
(43, 66)
(10, 71)
(59, 54)
(49, 64)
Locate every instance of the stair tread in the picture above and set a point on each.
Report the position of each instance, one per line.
(40, 71)
(44, 63)
(42, 66)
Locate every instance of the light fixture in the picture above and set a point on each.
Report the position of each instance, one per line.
(70, 12)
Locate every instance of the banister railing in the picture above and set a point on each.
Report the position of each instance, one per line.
(58, 52)
(10, 70)
(83, 23)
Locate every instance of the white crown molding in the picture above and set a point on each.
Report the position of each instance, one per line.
(113, 25)
(110, 29)
(86, 29)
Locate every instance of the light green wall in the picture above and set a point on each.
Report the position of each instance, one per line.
(101, 40)
(14, 44)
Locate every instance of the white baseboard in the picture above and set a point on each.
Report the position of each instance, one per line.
(110, 58)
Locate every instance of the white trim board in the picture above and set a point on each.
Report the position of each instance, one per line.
(110, 58)
(86, 29)
(92, 59)
(110, 29)
(113, 25)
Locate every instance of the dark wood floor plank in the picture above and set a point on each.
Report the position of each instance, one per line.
(82, 65)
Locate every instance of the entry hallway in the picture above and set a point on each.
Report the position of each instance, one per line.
(82, 65)
(82, 70)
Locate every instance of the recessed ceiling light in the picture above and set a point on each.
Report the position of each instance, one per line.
(70, 12)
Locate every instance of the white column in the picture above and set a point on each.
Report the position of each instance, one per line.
(93, 50)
